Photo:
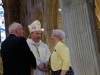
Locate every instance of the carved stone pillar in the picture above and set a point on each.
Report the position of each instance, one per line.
(79, 24)
(30, 10)
(50, 18)
(11, 12)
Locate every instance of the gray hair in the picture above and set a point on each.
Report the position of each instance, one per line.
(13, 26)
(59, 33)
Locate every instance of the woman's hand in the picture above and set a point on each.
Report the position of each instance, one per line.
(63, 72)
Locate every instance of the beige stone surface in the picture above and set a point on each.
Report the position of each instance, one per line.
(79, 24)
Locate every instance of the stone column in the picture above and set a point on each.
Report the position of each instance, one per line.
(11, 12)
(30, 10)
(50, 19)
(79, 24)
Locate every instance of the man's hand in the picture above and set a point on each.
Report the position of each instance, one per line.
(41, 67)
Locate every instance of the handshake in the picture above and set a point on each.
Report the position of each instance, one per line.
(43, 67)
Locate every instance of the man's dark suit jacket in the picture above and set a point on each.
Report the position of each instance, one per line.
(16, 56)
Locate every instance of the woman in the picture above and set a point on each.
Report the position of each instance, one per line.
(60, 57)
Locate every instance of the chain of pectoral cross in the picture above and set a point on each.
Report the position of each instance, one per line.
(37, 51)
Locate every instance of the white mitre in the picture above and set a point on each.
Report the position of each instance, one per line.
(35, 26)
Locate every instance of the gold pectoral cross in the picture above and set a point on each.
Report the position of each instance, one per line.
(37, 52)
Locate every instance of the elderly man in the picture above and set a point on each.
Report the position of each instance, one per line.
(39, 49)
(16, 54)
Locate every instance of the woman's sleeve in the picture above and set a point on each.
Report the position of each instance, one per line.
(65, 56)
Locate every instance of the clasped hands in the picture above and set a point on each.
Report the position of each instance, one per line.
(43, 67)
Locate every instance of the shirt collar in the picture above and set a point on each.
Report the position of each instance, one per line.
(34, 43)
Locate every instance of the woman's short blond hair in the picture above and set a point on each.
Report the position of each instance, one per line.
(59, 33)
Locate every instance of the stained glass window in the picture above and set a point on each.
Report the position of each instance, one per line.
(2, 24)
